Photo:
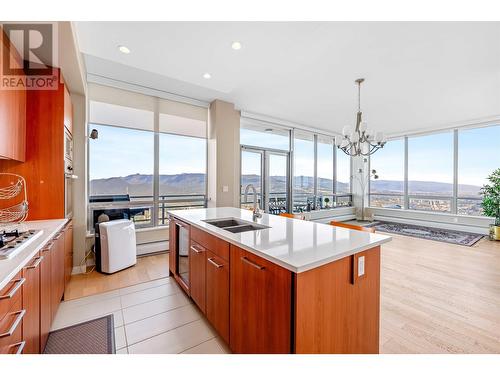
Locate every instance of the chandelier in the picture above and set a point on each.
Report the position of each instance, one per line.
(361, 141)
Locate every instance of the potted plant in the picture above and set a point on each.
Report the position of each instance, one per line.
(491, 202)
(327, 202)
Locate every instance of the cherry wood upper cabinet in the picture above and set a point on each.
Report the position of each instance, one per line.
(260, 305)
(217, 297)
(31, 303)
(197, 274)
(12, 114)
(43, 168)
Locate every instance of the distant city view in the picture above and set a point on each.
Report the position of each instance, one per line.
(435, 196)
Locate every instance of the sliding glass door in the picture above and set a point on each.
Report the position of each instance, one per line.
(267, 171)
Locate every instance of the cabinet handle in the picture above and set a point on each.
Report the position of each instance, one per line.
(211, 260)
(20, 315)
(196, 249)
(248, 261)
(49, 247)
(37, 263)
(57, 236)
(13, 291)
(20, 347)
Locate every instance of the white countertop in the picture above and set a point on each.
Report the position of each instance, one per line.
(10, 267)
(296, 245)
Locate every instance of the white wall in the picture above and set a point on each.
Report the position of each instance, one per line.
(223, 155)
(80, 184)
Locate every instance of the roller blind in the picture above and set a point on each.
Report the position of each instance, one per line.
(182, 119)
(117, 107)
(110, 106)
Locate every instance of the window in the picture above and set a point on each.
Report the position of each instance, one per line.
(122, 179)
(182, 168)
(478, 156)
(343, 173)
(121, 161)
(325, 150)
(388, 190)
(430, 172)
(432, 162)
(303, 171)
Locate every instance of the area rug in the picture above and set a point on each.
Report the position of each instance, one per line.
(96, 336)
(428, 233)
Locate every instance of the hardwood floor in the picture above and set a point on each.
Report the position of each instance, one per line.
(147, 268)
(440, 298)
(435, 297)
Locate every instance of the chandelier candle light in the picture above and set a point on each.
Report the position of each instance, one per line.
(360, 141)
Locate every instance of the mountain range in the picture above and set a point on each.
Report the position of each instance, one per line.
(194, 183)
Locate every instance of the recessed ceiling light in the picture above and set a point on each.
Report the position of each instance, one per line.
(207, 76)
(124, 49)
(236, 45)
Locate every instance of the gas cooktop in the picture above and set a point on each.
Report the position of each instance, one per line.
(13, 241)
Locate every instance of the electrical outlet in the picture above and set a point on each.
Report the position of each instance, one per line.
(225, 189)
(361, 266)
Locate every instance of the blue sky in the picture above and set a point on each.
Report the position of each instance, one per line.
(122, 152)
(430, 158)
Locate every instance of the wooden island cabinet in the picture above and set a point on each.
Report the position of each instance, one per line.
(258, 306)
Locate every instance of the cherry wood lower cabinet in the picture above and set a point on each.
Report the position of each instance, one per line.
(197, 272)
(45, 294)
(261, 305)
(257, 306)
(171, 246)
(31, 303)
(57, 273)
(68, 252)
(217, 294)
(11, 316)
(337, 311)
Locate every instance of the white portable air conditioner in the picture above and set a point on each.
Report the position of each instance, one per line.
(118, 247)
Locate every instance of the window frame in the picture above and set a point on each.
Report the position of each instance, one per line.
(156, 203)
(455, 197)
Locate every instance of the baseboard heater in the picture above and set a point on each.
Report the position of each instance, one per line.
(152, 247)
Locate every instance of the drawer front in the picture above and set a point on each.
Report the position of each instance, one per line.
(10, 294)
(217, 304)
(11, 328)
(214, 244)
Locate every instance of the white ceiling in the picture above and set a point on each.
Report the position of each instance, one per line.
(418, 75)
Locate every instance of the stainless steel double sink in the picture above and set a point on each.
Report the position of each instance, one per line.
(234, 225)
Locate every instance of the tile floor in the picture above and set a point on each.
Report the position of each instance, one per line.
(152, 317)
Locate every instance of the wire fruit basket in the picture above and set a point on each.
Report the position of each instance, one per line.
(16, 186)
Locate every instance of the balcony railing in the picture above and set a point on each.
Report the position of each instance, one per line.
(140, 208)
(301, 202)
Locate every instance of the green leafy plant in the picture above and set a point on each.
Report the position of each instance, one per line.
(491, 196)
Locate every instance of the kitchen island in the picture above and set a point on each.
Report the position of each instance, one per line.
(279, 285)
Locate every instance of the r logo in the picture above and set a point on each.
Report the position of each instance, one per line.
(28, 56)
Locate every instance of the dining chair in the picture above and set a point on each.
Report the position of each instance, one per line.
(352, 226)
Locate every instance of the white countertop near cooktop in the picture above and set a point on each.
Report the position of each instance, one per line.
(296, 245)
(10, 267)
